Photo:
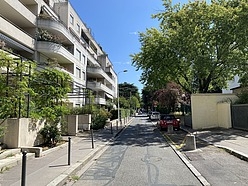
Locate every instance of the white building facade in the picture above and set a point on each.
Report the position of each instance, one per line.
(51, 31)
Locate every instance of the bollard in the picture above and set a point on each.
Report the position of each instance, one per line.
(190, 142)
(69, 150)
(170, 129)
(111, 127)
(92, 138)
(24, 160)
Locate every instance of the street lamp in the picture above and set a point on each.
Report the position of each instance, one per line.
(118, 97)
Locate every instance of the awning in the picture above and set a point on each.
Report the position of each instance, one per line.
(109, 96)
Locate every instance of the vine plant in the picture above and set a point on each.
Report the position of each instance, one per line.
(46, 89)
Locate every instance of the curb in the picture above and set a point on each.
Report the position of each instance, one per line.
(196, 173)
(10, 162)
(238, 154)
(231, 151)
(60, 180)
(76, 167)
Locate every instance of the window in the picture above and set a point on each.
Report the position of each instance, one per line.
(71, 19)
(78, 72)
(83, 75)
(78, 55)
(78, 27)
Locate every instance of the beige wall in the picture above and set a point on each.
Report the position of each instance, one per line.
(224, 115)
(22, 132)
(211, 110)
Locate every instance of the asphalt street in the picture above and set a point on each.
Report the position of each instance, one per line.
(216, 165)
(140, 156)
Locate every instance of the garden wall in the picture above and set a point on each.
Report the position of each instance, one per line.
(22, 132)
(211, 110)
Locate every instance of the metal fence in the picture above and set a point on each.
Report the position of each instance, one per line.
(240, 116)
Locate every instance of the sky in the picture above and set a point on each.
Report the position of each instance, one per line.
(115, 25)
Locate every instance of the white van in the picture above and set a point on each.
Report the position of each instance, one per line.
(155, 116)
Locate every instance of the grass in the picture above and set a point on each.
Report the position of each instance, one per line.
(74, 178)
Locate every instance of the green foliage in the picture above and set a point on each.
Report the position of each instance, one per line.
(124, 113)
(2, 129)
(242, 98)
(51, 134)
(134, 103)
(99, 119)
(124, 103)
(50, 87)
(14, 86)
(86, 109)
(44, 35)
(127, 90)
(129, 96)
(200, 45)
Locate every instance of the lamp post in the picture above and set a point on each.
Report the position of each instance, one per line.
(118, 97)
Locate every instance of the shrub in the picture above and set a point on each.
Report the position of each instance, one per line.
(51, 134)
(242, 98)
(99, 120)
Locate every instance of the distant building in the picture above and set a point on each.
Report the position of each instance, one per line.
(51, 31)
(232, 85)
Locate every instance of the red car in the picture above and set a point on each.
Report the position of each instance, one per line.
(169, 119)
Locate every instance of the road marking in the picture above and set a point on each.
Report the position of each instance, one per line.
(173, 143)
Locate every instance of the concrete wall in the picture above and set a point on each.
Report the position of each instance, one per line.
(22, 132)
(84, 122)
(72, 124)
(224, 115)
(211, 110)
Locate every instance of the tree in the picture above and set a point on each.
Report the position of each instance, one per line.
(169, 96)
(127, 90)
(124, 103)
(199, 45)
(134, 103)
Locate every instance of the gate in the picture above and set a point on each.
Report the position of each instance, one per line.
(240, 116)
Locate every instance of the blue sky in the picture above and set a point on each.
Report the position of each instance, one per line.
(115, 24)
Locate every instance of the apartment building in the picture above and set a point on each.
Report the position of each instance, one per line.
(51, 31)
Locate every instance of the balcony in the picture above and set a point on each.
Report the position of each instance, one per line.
(56, 51)
(98, 72)
(98, 86)
(92, 59)
(17, 13)
(110, 70)
(57, 29)
(20, 36)
(100, 101)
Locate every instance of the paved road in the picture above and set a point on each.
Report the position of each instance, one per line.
(140, 157)
(216, 165)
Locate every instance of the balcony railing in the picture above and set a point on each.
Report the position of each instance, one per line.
(98, 86)
(20, 36)
(98, 70)
(54, 50)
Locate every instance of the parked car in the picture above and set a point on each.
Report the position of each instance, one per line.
(154, 116)
(168, 119)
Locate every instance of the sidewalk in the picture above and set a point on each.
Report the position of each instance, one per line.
(232, 140)
(53, 167)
